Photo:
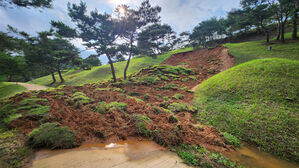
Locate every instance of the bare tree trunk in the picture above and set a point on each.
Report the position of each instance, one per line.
(59, 73)
(112, 68)
(282, 32)
(53, 77)
(279, 31)
(294, 34)
(9, 78)
(268, 36)
(130, 55)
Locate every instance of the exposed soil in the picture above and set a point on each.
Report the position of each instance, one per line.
(117, 125)
(32, 86)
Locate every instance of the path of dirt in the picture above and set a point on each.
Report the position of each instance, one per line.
(32, 86)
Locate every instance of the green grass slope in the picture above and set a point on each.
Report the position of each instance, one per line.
(248, 51)
(101, 73)
(10, 89)
(257, 101)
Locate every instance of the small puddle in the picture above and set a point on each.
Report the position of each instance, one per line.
(250, 157)
(133, 154)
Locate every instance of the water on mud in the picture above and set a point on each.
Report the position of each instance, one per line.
(131, 154)
(139, 154)
(250, 157)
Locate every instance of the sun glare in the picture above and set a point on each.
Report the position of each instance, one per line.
(122, 10)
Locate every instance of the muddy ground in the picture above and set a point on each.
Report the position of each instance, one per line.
(118, 125)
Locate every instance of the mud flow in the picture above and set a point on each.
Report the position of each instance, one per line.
(133, 154)
(251, 157)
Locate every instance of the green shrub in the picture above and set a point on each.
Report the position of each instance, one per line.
(81, 98)
(141, 124)
(178, 107)
(178, 96)
(232, 140)
(100, 107)
(117, 106)
(52, 136)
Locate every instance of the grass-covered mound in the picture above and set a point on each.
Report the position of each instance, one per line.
(247, 51)
(102, 73)
(257, 101)
(10, 89)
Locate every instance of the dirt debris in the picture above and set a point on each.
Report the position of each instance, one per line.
(150, 100)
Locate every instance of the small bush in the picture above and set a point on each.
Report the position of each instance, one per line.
(81, 98)
(178, 107)
(178, 96)
(232, 140)
(117, 106)
(100, 107)
(52, 136)
(141, 123)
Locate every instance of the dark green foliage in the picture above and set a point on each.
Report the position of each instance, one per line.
(51, 135)
(232, 140)
(141, 125)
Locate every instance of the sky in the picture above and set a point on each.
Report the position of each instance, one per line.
(181, 15)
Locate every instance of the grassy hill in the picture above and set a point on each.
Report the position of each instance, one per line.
(247, 51)
(102, 73)
(10, 89)
(257, 101)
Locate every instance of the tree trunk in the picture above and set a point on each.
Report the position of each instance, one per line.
(9, 78)
(53, 77)
(59, 73)
(112, 68)
(278, 32)
(282, 32)
(268, 36)
(294, 34)
(130, 55)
